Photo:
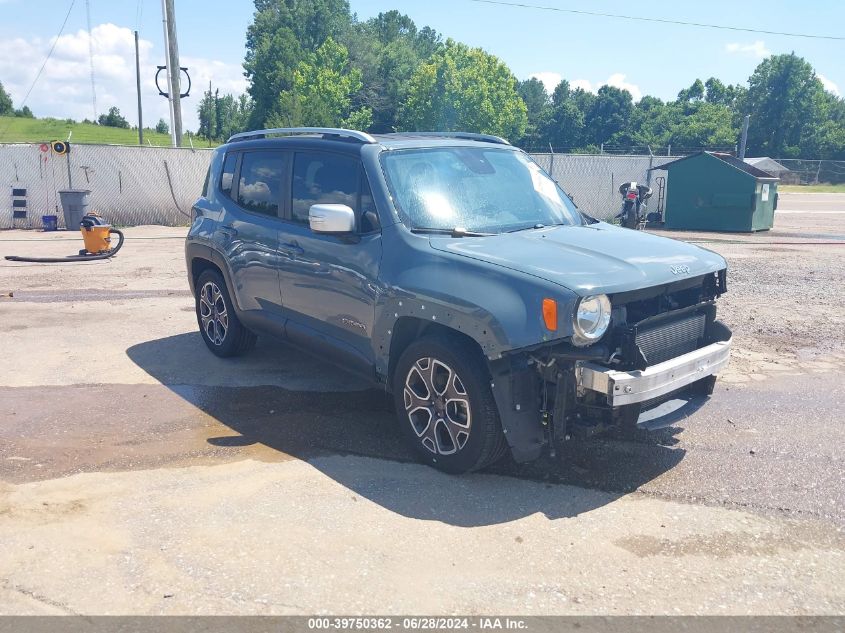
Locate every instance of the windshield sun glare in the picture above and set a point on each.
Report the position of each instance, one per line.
(480, 189)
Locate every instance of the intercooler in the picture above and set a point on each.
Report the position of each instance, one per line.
(664, 341)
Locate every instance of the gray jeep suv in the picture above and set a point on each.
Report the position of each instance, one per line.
(452, 271)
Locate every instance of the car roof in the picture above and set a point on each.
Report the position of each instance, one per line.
(351, 141)
(406, 140)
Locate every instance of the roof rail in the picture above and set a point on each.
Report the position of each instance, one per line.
(292, 131)
(469, 136)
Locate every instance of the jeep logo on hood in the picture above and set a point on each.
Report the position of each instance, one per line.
(680, 270)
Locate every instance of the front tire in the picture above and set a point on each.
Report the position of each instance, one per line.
(220, 327)
(446, 410)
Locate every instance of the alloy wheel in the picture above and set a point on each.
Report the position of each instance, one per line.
(437, 406)
(213, 313)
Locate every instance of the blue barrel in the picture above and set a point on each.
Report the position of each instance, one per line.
(50, 222)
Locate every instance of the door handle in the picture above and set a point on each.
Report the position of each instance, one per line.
(293, 247)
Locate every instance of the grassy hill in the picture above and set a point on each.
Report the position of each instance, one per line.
(19, 130)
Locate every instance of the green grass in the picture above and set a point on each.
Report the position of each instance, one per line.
(812, 188)
(18, 130)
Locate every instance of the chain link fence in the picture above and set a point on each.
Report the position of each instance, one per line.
(593, 179)
(155, 185)
(129, 185)
(799, 171)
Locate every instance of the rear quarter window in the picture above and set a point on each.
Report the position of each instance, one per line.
(228, 174)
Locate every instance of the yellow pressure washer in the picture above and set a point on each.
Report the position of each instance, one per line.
(96, 235)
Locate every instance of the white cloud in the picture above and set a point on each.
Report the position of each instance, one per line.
(583, 84)
(828, 84)
(755, 49)
(550, 80)
(64, 88)
(617, 80)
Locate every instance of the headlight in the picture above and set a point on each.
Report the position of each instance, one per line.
(591, 320)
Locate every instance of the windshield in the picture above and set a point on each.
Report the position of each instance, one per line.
(475, 189)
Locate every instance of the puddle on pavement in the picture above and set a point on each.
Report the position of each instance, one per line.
(47, 432)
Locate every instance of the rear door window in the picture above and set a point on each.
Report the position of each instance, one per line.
(260, 182)
(323, 178)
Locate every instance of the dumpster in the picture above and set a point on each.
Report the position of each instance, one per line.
(74, 206)
(711, 191)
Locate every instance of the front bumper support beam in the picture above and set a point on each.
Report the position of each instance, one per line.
(631, 387)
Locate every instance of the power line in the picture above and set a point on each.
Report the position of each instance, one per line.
(41, 70)
(49, 54)
(522, 5)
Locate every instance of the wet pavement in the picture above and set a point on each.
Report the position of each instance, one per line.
(771, 447)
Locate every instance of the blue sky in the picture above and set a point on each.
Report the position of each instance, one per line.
(646, 58)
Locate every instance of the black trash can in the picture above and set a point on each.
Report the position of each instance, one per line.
(74, 206)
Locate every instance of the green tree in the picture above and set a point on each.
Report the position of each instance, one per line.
(205, 114)
(321, 94)
(694, 93)
(563, 125)
(387, 50)
(827, 139)
(536, 99)
(221, 117)
(463, 88)
(162, 127)
(608, 116)
(785, 100)
(538, 106)
(718, 93)
(113, 119)
(24, 113)
(652, 122)
(282, 34)
(6, 107)
(710, 125)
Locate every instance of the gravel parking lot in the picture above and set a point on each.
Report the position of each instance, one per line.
(273, 483)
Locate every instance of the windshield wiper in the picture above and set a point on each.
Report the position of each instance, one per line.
(455, 232)
(528, 227)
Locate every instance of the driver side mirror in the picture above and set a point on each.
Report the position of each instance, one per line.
(331, 218)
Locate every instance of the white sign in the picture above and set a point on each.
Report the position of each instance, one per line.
(765, 193)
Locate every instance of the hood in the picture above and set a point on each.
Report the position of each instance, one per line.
(591, 259)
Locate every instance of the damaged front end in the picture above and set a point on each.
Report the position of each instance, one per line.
(662, 341)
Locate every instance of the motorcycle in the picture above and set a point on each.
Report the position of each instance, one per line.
(634, 197)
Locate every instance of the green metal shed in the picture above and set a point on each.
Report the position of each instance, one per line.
(710, 191)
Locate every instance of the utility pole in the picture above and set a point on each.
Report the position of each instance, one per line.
(138, 89)
(173, 71)
(744, 139)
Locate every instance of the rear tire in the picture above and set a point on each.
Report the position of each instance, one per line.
(630, 219)
(445, 407)
(219, 325)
